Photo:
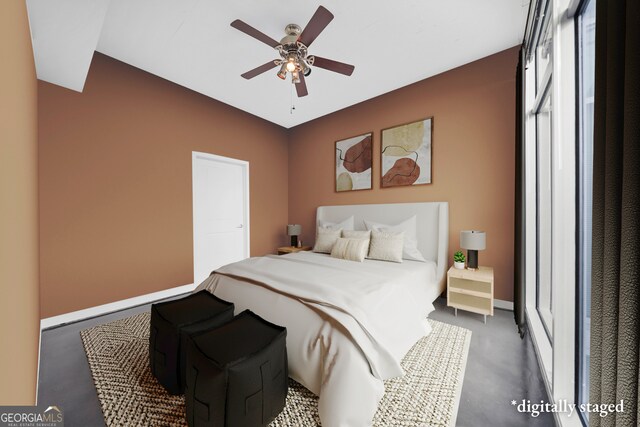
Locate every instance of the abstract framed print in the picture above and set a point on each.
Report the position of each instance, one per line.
(354, 163)
(406, 154)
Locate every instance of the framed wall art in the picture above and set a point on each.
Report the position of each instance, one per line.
(354, 163)
(406, 154)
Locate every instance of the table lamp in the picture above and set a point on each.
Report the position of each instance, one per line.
(294, 230)
(473, 241)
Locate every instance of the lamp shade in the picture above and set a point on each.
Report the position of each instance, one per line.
(294, 230)
(473, 240)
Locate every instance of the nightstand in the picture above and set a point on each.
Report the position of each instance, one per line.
(292, 249)
(471, 290)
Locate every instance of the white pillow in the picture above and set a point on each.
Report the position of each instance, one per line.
(356, 234)
(325, 239)
(386, 245)
(347, 224)
(350, 249)
(410, 250)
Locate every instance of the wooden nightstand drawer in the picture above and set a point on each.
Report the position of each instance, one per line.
(473, 303)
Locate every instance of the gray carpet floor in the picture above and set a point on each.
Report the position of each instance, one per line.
(501, 367)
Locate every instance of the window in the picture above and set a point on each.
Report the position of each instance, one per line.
(553, 186)
(586, 23)
(543, 108)
(544, 193)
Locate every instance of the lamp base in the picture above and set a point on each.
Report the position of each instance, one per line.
(294, 241)
(472, 259)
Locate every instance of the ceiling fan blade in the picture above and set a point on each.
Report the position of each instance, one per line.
(301, 88)
(331, 65)
(249, 30)
(318, 22)
(259, 70)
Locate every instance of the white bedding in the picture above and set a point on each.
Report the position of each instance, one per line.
(348, 324)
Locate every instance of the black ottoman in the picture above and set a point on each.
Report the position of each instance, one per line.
(171, 321)
(237, 374)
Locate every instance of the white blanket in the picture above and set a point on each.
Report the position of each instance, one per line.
(348, 324)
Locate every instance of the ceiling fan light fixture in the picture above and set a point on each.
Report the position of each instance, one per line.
(295, 77)
(283, 72)
(306, 70)
(291, 66)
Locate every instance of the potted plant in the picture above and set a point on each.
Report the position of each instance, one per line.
(458, 260)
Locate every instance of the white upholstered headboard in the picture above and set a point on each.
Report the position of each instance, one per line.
(432, 224)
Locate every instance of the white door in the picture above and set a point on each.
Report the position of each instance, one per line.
(220, 212)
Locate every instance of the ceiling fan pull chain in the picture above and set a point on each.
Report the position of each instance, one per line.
(293, 107)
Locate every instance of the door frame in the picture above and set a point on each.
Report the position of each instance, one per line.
(195, 155)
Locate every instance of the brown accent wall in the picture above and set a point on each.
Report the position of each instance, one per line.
(115, 183)
(472, 164)
(19, 305)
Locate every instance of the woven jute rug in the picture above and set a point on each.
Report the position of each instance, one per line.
(427, 395)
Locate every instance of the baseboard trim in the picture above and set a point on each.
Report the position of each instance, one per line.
(502, 304)
(75, 316)
(38, 370)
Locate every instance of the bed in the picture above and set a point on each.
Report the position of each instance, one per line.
(343, 317)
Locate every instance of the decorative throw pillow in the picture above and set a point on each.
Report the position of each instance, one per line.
(356, 234)
(386, 245)
(347, 224)
(350, 249)
(325, 239)
(410, 249)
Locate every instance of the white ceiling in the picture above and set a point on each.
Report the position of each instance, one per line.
(190, 42)
(64, 35)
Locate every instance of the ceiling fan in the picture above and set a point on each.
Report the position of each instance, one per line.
(293, 47)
